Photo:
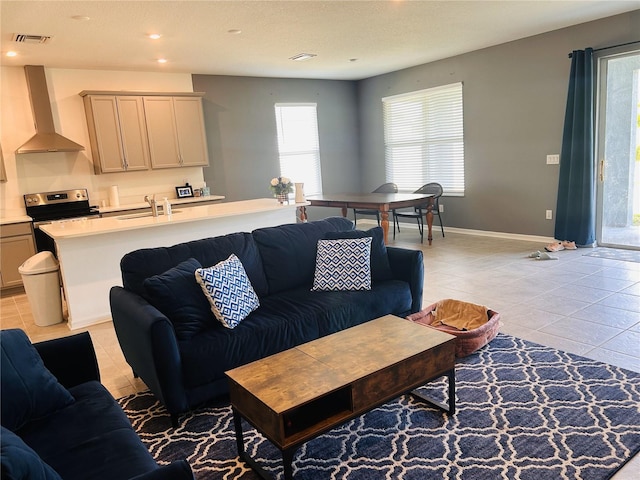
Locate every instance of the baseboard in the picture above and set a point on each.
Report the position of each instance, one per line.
(466, 231)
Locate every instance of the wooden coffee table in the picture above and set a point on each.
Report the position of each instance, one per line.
(294, 396)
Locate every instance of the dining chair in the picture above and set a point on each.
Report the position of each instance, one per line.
(418, 212)
(389, 187)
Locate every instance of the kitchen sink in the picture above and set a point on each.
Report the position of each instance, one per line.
(142, 215)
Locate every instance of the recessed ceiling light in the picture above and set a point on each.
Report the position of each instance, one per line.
(12, 54)
(301, 57)
(162, 60)
(234, 31)
(154, 36)
(82, 18)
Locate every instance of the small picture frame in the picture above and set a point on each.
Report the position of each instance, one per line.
(184, 192)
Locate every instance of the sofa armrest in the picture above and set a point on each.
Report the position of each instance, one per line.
(177, 470)
(408, 265)
(149, 344)
(72, 359)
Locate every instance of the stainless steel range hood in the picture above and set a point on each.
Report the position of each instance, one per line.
(46, 139)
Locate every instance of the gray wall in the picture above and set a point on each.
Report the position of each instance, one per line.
(242, 138)
(514, 101)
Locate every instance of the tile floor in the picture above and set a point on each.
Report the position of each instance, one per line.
(585, 305)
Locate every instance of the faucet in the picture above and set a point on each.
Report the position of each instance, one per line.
(151, 200)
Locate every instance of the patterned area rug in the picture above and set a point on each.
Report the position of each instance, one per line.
(615, 254)
(524, 412)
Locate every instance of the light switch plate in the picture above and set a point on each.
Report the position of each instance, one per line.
(553, 159)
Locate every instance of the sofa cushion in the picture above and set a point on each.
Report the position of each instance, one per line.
(343, 264)
(97, 440)
(285, 320)
(380, 268)
(19, 462)
(177, 295)
(140, 264)
(289, 251)
(29, 390)
(228, 290)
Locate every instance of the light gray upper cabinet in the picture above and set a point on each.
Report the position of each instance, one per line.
(132, 131)
(118, 133)
(175, 128)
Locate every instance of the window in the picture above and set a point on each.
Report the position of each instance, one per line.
(298, 144)
(424, 141)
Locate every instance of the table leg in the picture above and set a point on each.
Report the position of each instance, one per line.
(287, 463)
(384, 222)
(303, 213)
(237, 423)
(344, 211)
(429, 218)
(287, 454)
(450, 406)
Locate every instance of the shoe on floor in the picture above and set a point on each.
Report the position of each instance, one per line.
(534, 254)
(554, 247)
(569, 245)
(546, 256)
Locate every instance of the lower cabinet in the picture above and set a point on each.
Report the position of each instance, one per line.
(16, 245)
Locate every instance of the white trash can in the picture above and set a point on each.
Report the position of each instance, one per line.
(41, 279)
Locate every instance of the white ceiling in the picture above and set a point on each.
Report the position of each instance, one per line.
(352, 39)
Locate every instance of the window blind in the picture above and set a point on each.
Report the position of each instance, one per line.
(424, 139)
(298, 144)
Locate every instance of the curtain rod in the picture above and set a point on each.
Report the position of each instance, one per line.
(612, 46)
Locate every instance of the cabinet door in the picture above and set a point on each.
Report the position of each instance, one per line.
(133, 133)
(102, 119)
(192, 139)
(14, 251)
(161, 131)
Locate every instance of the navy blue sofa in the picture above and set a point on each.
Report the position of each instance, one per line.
(58, 421)
(172, 341)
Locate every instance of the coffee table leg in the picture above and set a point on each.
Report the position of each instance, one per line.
(287, 455)
(237, 422)
(449, 407)
(287, 461)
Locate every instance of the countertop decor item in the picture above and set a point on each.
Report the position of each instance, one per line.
(281, 188)
(114, 197)
(184, 192)
(300, 192)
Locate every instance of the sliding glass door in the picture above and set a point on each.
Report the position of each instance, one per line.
(618, 150)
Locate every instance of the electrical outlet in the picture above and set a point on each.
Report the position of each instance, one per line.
(441, 208)
(549, 215)
(553, 159)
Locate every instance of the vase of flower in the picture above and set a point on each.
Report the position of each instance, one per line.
(281, 188)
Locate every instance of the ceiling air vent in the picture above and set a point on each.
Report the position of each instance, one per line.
(26, 38)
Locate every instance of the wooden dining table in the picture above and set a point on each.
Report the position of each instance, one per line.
(383, 202)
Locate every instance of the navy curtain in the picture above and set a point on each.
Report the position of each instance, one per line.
(576, 207)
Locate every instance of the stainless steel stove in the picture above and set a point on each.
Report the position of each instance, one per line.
(48, 207)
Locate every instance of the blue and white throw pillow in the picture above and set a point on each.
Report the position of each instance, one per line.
(229, 291)
(343, 264)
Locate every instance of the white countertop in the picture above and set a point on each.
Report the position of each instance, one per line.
(174, 201)
(7, 217)
(181, 214)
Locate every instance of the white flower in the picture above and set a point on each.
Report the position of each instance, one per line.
(285, 180)
(274, 182)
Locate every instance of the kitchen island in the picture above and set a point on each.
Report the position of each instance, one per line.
(90, 250)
